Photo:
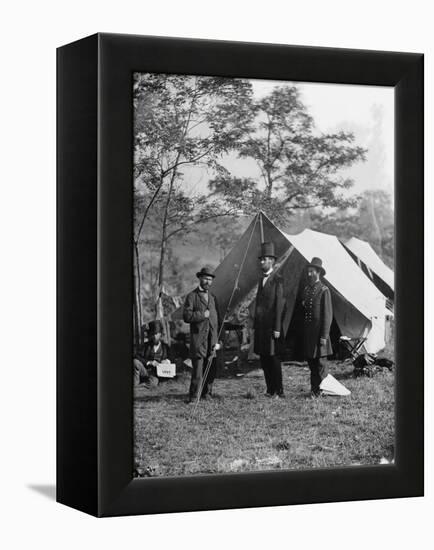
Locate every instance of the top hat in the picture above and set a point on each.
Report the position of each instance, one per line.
(317, 264)
(205, 272)
(267, 249)
(155, 326)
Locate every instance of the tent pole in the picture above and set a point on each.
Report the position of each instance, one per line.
(235, 288)
(261, 226)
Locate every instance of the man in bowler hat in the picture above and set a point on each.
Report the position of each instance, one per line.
(317, 318)
(202, 313)
(268, 321)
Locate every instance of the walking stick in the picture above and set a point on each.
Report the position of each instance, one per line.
(234, 289)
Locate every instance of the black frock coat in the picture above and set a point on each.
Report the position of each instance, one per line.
(268, 314)
(203, 331)
(317, 309)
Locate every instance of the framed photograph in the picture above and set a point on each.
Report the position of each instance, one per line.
(239, 228)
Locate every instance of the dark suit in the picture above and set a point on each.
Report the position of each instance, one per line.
(144, 372)
(203, 337)
(317, 318)
(149, 354)
(268, 319)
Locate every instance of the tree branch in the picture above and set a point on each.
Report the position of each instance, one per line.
(154, 196)
(201, 220)
(189, 161)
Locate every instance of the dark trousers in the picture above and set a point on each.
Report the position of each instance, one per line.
(142, 375)
(273, 374)
(318, 371)
(199, 366)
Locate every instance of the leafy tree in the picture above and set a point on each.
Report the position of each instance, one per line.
(372, 221)
(182, 122)
(376, 219)
(299, 167)
(220, 238)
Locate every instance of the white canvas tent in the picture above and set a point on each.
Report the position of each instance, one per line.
(359, 307)
(368, 260)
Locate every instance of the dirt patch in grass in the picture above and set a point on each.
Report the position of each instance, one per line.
(242, 430)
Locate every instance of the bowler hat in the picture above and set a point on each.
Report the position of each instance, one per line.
(267, 249)
(155, 326)
(317, 264)
(205, 272)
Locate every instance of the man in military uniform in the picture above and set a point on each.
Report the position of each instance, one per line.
(202, 313)
(317, 318)
(268, 321)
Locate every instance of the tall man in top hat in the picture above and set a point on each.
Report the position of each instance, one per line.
(317, 318)
(202, 313)
(268, 320)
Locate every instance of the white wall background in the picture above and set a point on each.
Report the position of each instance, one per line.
(30, 32)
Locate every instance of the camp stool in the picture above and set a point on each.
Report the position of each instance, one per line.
(352, 345)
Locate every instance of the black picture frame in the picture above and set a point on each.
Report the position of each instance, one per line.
(94, 274)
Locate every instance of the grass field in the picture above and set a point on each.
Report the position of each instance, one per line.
(242, 430)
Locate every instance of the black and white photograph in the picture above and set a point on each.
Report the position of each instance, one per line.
(263, 275)
(217, 262)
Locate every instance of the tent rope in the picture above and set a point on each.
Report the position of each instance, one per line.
(234, 289)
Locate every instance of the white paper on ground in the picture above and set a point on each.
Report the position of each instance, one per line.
(330, 386)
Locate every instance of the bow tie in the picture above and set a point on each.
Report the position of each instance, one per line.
(204, 291)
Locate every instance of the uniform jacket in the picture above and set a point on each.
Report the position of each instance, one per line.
(203, 332)
(317, 311)
(268, 314)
